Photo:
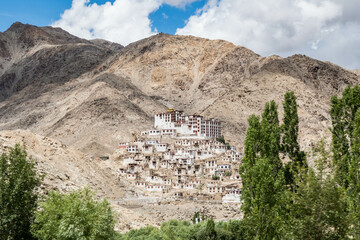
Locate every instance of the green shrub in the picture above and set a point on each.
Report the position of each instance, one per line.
(215, 177)
(76, 216)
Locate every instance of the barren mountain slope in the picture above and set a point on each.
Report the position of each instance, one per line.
(93, 115)
(36, 57)
(183, 71)
(67, 169)
(313, 82)
(218, 79)
(92, 97)
(21, 40)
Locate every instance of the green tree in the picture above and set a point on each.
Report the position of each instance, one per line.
(215, 177)
(177, 230)
(318, 209)
(252, 151)
(289, 141)
(345, 117)
(18, 199)
(354, 166)
(263, 193)
(343, 111)
(146, 233)
(264, 201)
(183, 230)
(196, 218)
(221, 139)
(263, 138)
(252, 142)
(290, 127)
(209, 232)
(354, 178)
(270, 135)
(74, 216)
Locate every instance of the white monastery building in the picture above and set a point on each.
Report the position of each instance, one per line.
(179, 157)
(176, 122)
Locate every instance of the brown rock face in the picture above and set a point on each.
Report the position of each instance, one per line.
(219, 79)
(77, 90)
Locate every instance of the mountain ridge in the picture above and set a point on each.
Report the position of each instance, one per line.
(189, 73)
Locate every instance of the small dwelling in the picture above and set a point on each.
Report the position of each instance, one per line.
(168, 131)
(155, 188)
(231, 198)
(224, 167)
(154, 132)
(131, 176)
(215, 189)
(161, 147)
(132, 148)
(123, 144)
(140, 184)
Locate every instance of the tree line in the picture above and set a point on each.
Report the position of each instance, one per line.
(27, 215)
(283, 196)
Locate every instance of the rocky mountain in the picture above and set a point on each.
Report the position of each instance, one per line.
(88, 96)
(93, 94)
(219, 79)
(357, 71)
(34, 58)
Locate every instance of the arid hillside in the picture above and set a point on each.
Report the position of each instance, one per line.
(66, 169)
(219, 79)
(93, 94)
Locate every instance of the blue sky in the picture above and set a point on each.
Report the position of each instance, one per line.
(168, 18)
(44, 12)
(327, 30)
(36, 12)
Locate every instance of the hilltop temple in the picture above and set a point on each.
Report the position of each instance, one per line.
(176, 123)
(181, 157)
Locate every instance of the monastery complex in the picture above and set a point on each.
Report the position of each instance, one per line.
(182, 158)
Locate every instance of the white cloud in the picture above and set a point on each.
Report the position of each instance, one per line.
(179, 3)
(124, 21)
(325, 29)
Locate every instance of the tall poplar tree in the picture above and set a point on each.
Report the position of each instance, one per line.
(253, 142)
(290, 129)
(354, 177)
(252, 151)
(263, 191)
(345, 116)
(343, 112)
(289, 142)
(354, 172)
(270, 134)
